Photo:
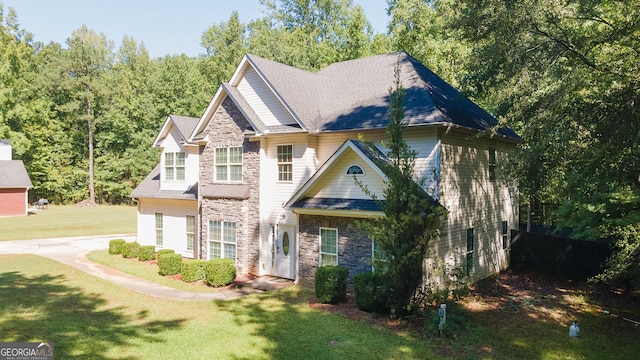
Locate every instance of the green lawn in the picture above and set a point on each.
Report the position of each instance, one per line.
(88, 318)
(70, 220)
(143, 270)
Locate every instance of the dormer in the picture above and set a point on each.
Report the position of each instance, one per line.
(178, 159)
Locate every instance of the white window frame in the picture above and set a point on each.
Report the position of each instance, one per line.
(354, 166)
(470, 253)
(492, 164)
(228, 165)
(224, 240)
(159, 228)
(175, 161)
(505, 234)
(327, 252)
(285, 168)
(190, 233)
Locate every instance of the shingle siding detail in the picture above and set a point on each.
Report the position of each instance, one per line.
(227, 129)
(354, 247)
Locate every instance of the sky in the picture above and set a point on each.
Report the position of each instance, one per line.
(166, 27)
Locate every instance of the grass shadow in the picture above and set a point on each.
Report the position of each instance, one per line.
(293, 330)
(82, 326)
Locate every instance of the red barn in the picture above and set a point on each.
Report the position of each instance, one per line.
(14, 184)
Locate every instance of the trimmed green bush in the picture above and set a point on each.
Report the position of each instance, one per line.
(146, 253)
(115, 246)
(331, 284)
(165, 251)
(370, 292)
(169, 264)
(192, 270)
(130, 250)
(219, 272)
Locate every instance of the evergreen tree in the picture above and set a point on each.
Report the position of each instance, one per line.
(411, 217)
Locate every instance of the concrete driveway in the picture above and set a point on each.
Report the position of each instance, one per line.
(72, 251)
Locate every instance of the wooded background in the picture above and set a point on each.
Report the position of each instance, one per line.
(564, 75)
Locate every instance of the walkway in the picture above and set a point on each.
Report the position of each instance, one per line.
(72, 251)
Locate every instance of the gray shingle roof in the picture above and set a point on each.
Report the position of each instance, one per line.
(150, 188)
(354, 95)
(13, 174)
(226, 191)
(337, 204)
(184, 124)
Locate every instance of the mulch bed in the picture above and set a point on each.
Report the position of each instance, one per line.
(532, 295)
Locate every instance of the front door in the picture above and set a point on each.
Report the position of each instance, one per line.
(285, 252)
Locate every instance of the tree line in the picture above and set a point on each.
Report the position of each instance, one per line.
(563, 75)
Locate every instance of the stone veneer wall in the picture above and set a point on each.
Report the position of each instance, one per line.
(354, 247)
(227, 129)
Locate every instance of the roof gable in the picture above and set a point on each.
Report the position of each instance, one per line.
(13, 175)
(332, 172)
(349, 95)
(183, 124)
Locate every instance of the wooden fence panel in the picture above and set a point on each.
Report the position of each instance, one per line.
(556, 256)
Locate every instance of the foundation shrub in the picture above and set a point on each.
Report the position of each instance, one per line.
(370, 292)
(165, 251)
(130, 250)
(219, 272)
(146, 253)
(331, 284)
(192, 270)
(169, 264)
(115, 246)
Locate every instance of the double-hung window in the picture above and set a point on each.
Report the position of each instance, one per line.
(228, 164)
(328, 247)
(174, 166)
(222, 239)
(505, 234)
(470, 250)
(380, 258)
(492, 164)
(159, 229)
(191, 231)
(285, 163)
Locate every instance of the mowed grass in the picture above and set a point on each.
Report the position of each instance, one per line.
(88, 318)
(144, 270)
(70, 220)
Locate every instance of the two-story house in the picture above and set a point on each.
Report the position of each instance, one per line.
(168, 197)
(278, 151)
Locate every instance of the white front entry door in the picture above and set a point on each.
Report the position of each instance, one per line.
(285, 245)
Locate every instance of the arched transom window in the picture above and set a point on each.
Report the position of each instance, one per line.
(355, 170)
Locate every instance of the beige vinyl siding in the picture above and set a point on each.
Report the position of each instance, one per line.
(425, 142)
(174, 222)
(265, 104)
(335, 183)
(474, 202)
(276, 193)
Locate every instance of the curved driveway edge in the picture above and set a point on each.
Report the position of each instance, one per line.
(72, 251)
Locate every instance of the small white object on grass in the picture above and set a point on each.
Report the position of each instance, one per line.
(574, 330)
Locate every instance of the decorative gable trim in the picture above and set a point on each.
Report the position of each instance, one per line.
(183, 124)
(357, 146)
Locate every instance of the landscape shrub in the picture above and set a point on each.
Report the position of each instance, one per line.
(115, 246)
(192, 270)
(165, 251)
(130, 250)
(331, 284)
(169, 264)
(146, 253)
(219, 272)
(370, 292)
